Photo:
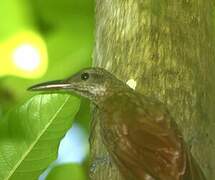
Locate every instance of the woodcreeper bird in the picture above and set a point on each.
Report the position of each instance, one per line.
(139, 133)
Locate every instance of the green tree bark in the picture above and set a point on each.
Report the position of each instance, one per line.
(168, 49)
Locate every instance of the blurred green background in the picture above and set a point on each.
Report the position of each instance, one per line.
(44, 40)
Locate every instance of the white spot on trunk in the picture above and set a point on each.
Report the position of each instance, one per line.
(131, 83)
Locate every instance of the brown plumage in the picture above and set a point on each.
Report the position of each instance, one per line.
(144, 141)
(138, 132)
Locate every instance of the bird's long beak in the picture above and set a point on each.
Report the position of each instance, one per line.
(50, 86)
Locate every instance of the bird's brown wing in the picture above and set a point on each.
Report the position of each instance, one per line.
(148, 145)
(145, 143)
(151, 147)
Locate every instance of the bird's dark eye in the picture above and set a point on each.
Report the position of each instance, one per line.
(85, 76)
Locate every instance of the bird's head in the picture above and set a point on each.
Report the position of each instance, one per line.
(92, 83)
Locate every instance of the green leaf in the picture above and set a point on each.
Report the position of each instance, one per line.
(30, 135)
(67, 172)
(83, 116)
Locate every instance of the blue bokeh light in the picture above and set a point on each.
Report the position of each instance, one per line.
(74, 148)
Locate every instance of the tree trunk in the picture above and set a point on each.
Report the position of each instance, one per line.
(168, 49)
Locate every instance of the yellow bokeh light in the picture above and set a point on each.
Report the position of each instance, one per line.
(24, 55)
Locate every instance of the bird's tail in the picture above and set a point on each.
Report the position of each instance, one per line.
(193, 170)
